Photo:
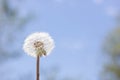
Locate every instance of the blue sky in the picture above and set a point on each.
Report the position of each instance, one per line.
(78, 28)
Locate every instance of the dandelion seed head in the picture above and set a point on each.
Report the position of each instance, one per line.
(38, 44)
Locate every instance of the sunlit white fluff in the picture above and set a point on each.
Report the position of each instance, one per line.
(43, 37)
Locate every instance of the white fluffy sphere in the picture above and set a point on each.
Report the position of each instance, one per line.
(38, 37)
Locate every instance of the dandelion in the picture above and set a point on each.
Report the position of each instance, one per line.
(37, 45)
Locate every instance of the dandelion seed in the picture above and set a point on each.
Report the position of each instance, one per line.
(38, 44)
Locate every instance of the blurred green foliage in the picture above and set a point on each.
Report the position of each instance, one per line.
(10, 25)
(112, 48)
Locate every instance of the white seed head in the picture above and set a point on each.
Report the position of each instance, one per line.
(38, 44)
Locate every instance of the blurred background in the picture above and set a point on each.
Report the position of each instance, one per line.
(86, 34)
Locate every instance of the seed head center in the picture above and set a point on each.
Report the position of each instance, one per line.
(38, 45)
